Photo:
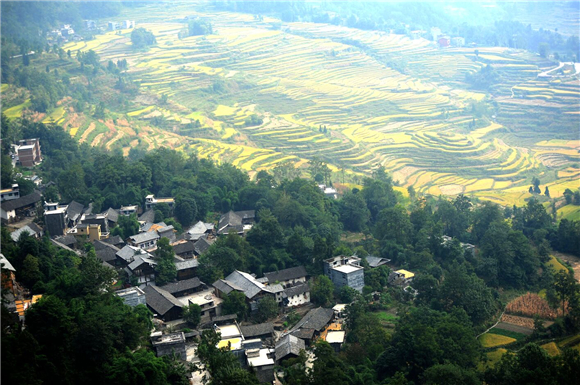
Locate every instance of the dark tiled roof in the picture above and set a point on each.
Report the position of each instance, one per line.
(147, 216)
(144, 237)
(225, 317)
(249, 331)
(68, 239)
(188, 284)
(305, 334)
(112, 215)
(74, 210)
(34, 227)
(202, 245)
(297, 290)
(188, 264)
(225, 286)
(229, 219)
(286, 274)
(141, 260)
(160, 300)
(246, 214)
(246, 283)
(114, 240)
(108, 254)
(183, 248)
(289, 344)
(21, 202)
(315, 319)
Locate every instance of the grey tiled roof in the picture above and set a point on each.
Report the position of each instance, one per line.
(139, 260)
(188, 264)
(286, 274)
(147, 216)
(225, 286)
(305, 334)
(202, 245)
(160, 300)
(297, 290)
(15, 235)
(144, 237)
(24, 201)
(112, 215)
(183, 248)
(376, 261)
(108, 253)
(249, 331)
(126, 253)
(68, 239)
(246, 282)
(315, 319)
(187, 284)
(114, 240)
(289, 344)
(74, 210)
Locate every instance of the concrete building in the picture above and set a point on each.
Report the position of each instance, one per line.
(128, 24)
(8, 194)
(55, 219)
(169, 344)
(29, 154)
(457, 41)
(132, 296)
(112, 26)
(128, 210)
(345, 271)
(151, 202)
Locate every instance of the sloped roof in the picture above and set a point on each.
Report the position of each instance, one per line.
(202, 245)
(108, 253)
(246, 282)
(286, 274)
(24, 201)
(246, 214)
(34, 227)
(74, 210)
(305, 334)
(187, 284)
(376, 261)
(160, 300)
(127, 253)
(112, 214)
(315, 319)
(183, 247)
(297, 290)
(225, 286)
(68, 239)
(5, 263)
(188, 264)
(200, 228)
(249, 331)
(229, 219)
(147, 216)
(144, 237)
(289, 344)
(140, 260)
(15, 235)
(114, 240)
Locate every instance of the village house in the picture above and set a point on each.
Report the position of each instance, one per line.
(200, 230)
(186, 269)
(163, 304)
(143, 269)
(106, 252)
(97, 219)
(296, 295)
(262, 361)
(202, 245)
(22, 207)
(467, 247)
(151, 202)
(169, 344)
(329, 192)
(128, 210)
(112, 216)
(247, 284)
(29, 154)
(132, 296)
(183, 248)
(312, 324)
(238, 222)
(376, 261)
(31, 229)
(345, 271)
(288, 347)
(145, 241)
(11, 193)
(401, 278)
(263, 331)
(55, 219)
(287, 277)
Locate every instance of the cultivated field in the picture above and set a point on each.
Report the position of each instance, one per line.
(355, 99)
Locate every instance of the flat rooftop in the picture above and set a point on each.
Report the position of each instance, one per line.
(201, 298)
(347, 268)
(262, 358)
(236, 343)
(229, 331)
(335, 336)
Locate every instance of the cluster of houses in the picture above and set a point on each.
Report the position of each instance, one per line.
(125, 24)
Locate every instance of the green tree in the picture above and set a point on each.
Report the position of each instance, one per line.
(199, 27)
(322, 290)
(449, 374)
(267, 308)
(141, 38)
(166, 270)
(354, 213)
(185, 211)
(192, 314)
(565, 288)
(235, 303)
(126, 226)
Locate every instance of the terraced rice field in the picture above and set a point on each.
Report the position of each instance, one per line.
(399, 103)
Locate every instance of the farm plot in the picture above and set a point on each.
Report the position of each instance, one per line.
(320, 97)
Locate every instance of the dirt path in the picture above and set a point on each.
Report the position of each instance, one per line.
(572, 260)
(87, 132)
